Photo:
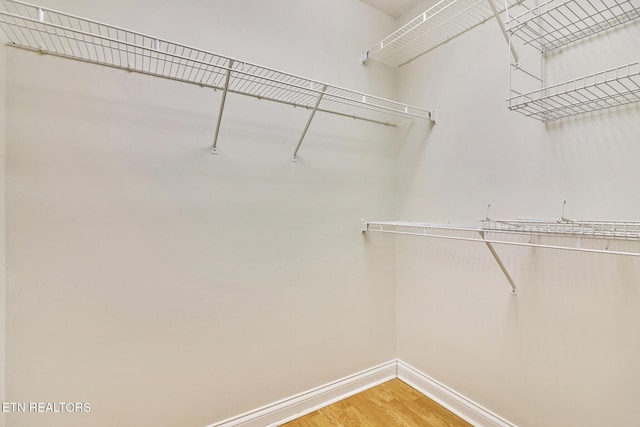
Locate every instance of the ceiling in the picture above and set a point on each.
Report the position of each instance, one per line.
(394, 8)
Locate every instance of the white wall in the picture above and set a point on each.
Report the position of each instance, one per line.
(563, 351)
(170, 287)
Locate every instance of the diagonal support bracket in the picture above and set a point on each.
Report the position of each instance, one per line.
(224, 98)
(504, 30)
(499, 261)
(306, 128)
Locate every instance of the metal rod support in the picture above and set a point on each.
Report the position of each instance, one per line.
(504, 30)
(306, 128)
(224, 98)
(499, 261)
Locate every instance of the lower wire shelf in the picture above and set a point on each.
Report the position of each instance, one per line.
(493, 231)
(606, 89)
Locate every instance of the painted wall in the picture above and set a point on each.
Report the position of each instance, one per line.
(563, 351)
(169, 287)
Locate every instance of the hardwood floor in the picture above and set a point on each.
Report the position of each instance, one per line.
(391, 404)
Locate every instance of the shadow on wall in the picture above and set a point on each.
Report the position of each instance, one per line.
(410, 148)
(595, 156)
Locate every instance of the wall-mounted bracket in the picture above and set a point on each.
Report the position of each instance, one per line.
(500, 264)
(306, 128)
(364, 55)
(222, 101)
(503, 29)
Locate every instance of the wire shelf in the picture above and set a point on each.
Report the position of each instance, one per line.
(606, 89)
(432, 28)
(57, 33)
(491, 230)
(557, 23)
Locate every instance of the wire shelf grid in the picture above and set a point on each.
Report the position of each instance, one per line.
(432, 28)
(622, 230)
(53, 32)
(557, 23)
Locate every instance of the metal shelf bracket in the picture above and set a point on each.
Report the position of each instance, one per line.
(214, 149)
(500, 264)
(306, 128)
(503, 29)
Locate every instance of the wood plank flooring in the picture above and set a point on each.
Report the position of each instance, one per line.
(391, 404)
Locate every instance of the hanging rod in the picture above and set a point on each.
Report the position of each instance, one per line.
(57, 33)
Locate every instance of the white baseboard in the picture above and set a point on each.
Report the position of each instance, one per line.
(450, 399)
(304, 403)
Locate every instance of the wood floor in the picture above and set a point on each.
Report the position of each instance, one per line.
(391, 404)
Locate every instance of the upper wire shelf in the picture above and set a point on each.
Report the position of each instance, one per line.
(49, 31)
(434, 27)
(556, 23)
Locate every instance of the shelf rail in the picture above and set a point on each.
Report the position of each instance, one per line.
(439, 24)
(493, 231)
(555, 24)
(52, 32)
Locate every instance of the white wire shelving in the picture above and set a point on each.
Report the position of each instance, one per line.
(49, 31)
(608, 230)
(495, 231)
(557, 23)
(442, 22)
(605, 89)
